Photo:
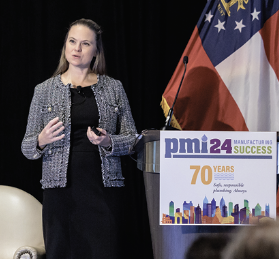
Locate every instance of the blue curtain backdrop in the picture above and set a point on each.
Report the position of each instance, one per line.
(143, 41)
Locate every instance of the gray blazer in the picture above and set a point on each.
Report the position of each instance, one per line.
(53, 99)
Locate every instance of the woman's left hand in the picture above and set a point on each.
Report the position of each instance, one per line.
(102, 140)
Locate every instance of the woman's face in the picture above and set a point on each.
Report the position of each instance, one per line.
(80, 46)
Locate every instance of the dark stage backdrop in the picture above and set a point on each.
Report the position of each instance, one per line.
(143, 41)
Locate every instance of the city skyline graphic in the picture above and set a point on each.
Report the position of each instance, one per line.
(214, 213)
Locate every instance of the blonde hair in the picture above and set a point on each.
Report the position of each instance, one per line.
(98, 63)
(255, 242)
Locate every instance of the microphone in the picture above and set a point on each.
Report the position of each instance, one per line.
(81, 93)
(168, 119)
(79, 88)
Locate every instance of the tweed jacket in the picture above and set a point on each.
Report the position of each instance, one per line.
(53, 99)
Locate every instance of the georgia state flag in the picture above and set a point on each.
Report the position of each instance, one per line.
(231, 81)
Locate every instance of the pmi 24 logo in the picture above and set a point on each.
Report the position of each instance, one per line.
(204, 147)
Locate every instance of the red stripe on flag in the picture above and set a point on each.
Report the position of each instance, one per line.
(204, 102)
(270, 35)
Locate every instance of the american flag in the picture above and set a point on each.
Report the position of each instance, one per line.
(231, 81)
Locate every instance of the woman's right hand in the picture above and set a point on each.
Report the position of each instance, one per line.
(50, 133)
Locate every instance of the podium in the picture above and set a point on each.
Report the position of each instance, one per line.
(167, 241)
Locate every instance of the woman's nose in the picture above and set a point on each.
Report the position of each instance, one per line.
(78, 47)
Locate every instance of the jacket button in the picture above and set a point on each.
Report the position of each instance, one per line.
(116, 109)
(49, 109)
(49, 152)
(35, 156)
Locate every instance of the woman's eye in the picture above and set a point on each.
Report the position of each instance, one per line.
(71, 41)
(86, 43)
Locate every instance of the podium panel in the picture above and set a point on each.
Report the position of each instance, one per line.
(167, 241)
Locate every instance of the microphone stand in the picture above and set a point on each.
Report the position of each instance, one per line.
(168, 119)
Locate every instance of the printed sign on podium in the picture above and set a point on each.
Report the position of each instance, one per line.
(217, 177)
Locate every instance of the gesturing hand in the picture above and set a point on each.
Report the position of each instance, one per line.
(50, 133)
(102, 140)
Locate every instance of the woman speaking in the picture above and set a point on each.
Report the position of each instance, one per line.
(80, 123)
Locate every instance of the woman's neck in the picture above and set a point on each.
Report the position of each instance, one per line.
(76, 76)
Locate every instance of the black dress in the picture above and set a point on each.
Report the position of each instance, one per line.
(85, 219)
